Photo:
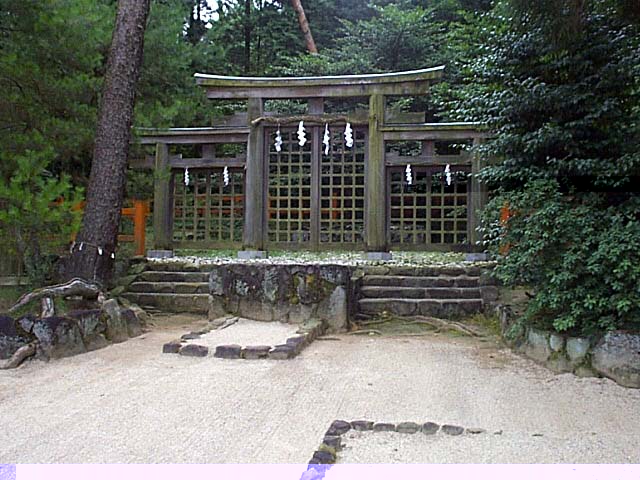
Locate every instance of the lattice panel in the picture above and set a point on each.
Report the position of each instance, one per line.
(342, 189)
(429, 211)
(289, 190)
(207, 210)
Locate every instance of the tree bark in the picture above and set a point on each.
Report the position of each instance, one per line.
(304, 26)
(247, 36)
(92, 257)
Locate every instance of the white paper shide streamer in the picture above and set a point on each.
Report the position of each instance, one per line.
(348, 135)
(302, 138)
(278, 141)
(186, 176)
(447, 174)
(326, 139)
(225, 176)
(408, 174)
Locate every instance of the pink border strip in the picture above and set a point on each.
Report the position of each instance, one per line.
(335, 472)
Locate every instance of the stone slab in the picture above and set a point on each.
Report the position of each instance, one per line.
(252, 254)
(159, 253)
(379, 256)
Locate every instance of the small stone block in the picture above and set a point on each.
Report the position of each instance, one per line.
(171, 347)
(190, 336)
(193, 350)
(252, 254)
(452, 430)
(255, 352)
(476, 431)
(384, 427)
(282, 352)
(476, 257)
(430, 428)
(228, 351)
(323, 457)
(407, 427)
(377, 256)
(333, 441)
(159, 253)
(362, 425)
(297, 340)
(339, 427)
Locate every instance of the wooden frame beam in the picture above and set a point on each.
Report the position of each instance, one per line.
(414, 82)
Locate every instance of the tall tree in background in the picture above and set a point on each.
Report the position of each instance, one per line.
(99, 233)
(304, 26)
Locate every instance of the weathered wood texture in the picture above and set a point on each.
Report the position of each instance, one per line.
(254, 226)
(101, 219)
(375, 179)
(162, 199)
(479, 196)
(414, 82)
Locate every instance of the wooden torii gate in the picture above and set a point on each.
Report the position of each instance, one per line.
(385, 223)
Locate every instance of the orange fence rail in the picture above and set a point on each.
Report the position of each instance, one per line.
(138, 213)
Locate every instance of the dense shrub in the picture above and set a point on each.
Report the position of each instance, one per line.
(582, 257)
(37, 217)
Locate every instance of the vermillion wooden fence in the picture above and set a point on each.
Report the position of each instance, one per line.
(10, 265)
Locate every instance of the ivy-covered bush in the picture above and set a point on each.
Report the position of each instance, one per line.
(559, 87)
(581, 256)
(37, 214)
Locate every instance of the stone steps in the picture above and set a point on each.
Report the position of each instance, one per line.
(403, 307)
(171, 302)
(169, 287)
(420, 293)
(154, 276)
(462, 281)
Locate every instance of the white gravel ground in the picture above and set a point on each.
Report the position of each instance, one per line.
(248, 332)
(131, 403)
(509, 447)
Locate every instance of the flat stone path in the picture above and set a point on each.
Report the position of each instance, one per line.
(132, 403)
(247, 332)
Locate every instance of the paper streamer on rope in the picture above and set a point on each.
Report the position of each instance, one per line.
(81, 245)
(73, 245)
(278, 141)
(408, 174)
(186, 176)
(447, 174)
(302, 139)
(113, 254)
(225, 176)
(326, 139)
(348, 135)
(100, 251)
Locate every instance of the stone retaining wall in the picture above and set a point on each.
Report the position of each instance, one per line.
(615, 355)
(76, 332)
(286, 293)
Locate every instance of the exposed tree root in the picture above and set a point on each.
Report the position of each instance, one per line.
(76, 286)
(19, 356)
(365, 332)
(440, 324)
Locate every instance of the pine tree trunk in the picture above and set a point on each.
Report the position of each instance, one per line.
(99, 231)
(304, 26)
(247, 37)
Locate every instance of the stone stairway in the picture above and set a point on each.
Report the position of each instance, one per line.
(446, 292)
(171, 291)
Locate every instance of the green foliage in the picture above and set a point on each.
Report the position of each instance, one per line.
(34, 222)
(565, 157)
(582, 255)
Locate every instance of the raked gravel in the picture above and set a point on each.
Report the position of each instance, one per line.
(131, 403)
(247, 332)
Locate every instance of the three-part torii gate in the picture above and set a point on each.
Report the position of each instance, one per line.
(360, 196)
